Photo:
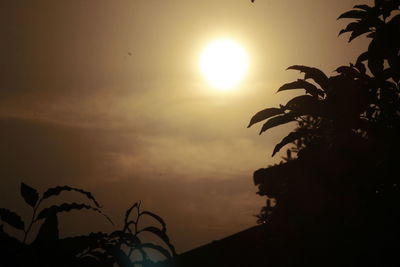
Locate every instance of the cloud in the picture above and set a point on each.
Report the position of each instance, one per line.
(173, 176)
(47, 151)
(77, 110)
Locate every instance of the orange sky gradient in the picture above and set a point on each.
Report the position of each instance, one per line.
(108, 96)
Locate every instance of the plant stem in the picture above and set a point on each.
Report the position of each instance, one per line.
(32, 221)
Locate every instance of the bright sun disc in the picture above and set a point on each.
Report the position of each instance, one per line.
(224, 63)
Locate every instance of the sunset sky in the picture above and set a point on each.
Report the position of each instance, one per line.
(109, 96)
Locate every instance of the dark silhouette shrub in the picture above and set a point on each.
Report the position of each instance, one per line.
(337, 189)
(95, 249)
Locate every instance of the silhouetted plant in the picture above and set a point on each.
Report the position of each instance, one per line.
(95, 249)
(345, 146)
(123, 243)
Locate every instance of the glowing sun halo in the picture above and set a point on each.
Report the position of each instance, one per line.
(224, 63)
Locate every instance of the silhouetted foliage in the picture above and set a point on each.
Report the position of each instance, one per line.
(338, 187)
(95, 249)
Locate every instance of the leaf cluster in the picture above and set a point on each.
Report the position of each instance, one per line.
(348, 122)
(363, 96)
(95, 249)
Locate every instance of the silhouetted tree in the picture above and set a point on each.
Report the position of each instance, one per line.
(123, 247)
(337, 192)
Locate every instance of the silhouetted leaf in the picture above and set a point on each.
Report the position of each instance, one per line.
(29, 194)
(393, 73)
(275, 121)
(302, 103)
(162, 235)
(11, 218)
(290, 138)
(58, 189)
(363, 57)
(158, 218)
(358, 32)
(128, 212)
(158, 248)
(302, 84)
(117, 233)
(121, 258)
(389, 6)
(350, 27)
(49, 229)
(353, 14)
(312, 73)
(65, 207)
(363, 7)
(371, 35)
(132, 239)
(361, 67)
(157, 232)
(125, 237)
(264, 114)
(375, 64)
(78, 244)
(349, 71)
(395, 21)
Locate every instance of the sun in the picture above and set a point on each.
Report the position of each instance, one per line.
(224, 63)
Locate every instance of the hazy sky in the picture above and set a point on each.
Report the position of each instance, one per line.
(108, 96)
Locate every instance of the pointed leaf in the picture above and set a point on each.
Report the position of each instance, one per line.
(121, 258)
(371, 35)
(276, 121)
(66, 207)
(357, 28)
(302, 104)
(395, 21)
(11, 218)
(391, 72)
(157, 232)
(363, 7)
(375, 64)
(133, 239)
(350, 27)
(75, 245)
(264, 114)
(117, 233)
(302, 84)
(29, 194)
(312, 73)
(158, 248)
(293, 136)
(348, 71)
(49, 229)
(353, 14)
(158, 218)
(361, 68)
(358, 32)
(58, 189)
(363, 57)
(128, 212)
(162, 235)
(388, 7)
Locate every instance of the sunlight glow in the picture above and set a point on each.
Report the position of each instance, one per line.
(224, 63)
